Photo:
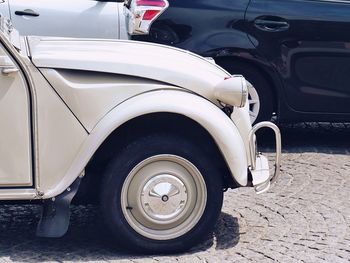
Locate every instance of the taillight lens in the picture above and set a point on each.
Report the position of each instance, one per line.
(160, 3)
(150, 14)
(142, 13)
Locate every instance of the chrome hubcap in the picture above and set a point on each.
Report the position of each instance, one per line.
(164, 197)
(254, 102)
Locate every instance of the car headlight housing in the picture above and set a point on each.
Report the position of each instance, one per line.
(232, 91)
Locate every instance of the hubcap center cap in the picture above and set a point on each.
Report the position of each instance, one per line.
(163, 197)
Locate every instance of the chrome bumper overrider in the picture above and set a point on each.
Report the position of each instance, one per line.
(262, 179)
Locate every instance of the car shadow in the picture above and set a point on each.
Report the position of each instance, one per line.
(226, 232)
(86, 239)
(331, 138)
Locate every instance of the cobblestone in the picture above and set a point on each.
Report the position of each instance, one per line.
(305, 217)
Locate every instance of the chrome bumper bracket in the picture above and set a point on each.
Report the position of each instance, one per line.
(262, 179)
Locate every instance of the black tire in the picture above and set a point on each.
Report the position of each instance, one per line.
(129, 157)
(258, 81)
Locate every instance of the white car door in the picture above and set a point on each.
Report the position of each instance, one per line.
(15, 139)
(66, 18)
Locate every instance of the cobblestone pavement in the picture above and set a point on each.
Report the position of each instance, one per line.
(305, 217)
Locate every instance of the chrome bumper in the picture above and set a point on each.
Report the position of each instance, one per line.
(262, 179)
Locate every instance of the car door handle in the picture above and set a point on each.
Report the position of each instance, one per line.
(27, 12)
(9, 70)
(270, 25)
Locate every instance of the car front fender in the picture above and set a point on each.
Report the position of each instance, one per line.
(210, 117)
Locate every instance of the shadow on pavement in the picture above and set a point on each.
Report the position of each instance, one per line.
(85, 240)
(310, 137)
(226, 232)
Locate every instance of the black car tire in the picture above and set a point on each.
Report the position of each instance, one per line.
(117, 219)
(260, 84)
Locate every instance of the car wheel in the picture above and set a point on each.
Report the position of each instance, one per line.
(260, 95)
(161, 194)
(254, 102)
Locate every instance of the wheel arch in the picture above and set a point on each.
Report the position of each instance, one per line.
(153, 123)
(184, 104)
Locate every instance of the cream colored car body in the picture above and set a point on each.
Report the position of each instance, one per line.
(61, 98)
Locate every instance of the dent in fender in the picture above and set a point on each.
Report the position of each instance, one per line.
(209, 116)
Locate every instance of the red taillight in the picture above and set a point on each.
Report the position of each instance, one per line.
(159, 3)
(150, 14)
(142, 13)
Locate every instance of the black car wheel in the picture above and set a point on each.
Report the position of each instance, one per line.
(161, 194)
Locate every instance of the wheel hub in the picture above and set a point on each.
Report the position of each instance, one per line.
(163, 197)
(254, 102)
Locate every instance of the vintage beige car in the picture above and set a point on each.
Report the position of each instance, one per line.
(153, 134)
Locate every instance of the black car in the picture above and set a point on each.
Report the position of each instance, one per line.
(295, 53)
